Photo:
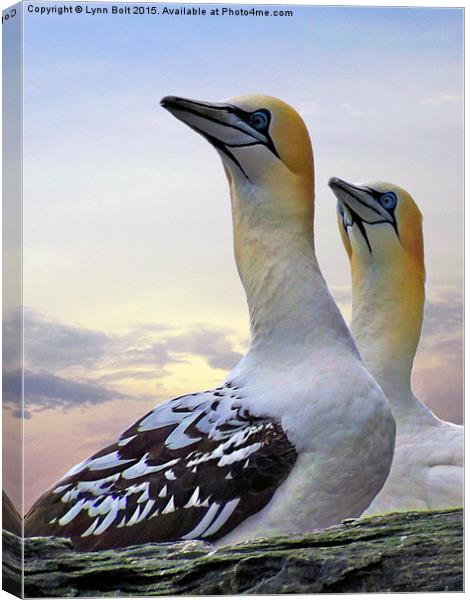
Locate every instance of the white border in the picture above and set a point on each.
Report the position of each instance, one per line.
(430, 3)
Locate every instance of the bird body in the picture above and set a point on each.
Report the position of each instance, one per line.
(381, 228)
(299, 436)
(427, 471)
(333, 432)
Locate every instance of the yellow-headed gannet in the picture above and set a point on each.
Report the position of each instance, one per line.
(381, 229)
(299, 436)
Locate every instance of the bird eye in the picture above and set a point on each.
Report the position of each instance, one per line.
(388, 200)
(259, 120)
(341, 210)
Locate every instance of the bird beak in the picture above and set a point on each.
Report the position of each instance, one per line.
(360, 202)
(221, 124)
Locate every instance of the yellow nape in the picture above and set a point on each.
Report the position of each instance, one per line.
(410, 227)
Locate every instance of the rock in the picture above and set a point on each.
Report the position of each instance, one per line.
(11, 522)
(401, 552)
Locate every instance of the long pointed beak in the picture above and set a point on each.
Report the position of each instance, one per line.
(360, 201)
(219, 123)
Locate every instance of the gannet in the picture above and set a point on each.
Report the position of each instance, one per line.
(381, 229)
(299, 436)
(11, 520)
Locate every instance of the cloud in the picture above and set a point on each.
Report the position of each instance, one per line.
(68, 366)
(442, 335)
(129, 351)
(26, 414)
(12, 385)
(134, 374)
(212, 344)
(438, 369)
(43, 390)
(59, 347)
(441, 98)
(72, 366)
(52, 345)
(11, 339)
(149, 348)
(443, 314)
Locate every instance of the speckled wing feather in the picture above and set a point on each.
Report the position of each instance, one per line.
(193, 468)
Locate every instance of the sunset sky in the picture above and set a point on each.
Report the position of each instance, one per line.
(130, 288)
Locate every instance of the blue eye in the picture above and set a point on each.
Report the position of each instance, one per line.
(259, 120)
(388, 200)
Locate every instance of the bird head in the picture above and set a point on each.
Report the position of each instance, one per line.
(267, 157)
(381, 229)
(380, 224)
(262, 141)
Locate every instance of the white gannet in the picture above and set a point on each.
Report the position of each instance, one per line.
(300, 435)
(381, 229)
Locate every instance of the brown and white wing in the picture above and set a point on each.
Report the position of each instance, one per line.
(193, 468)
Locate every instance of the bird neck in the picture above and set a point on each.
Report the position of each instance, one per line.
(387, 315)
(288, 300)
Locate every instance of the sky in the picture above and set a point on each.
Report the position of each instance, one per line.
(130, 288)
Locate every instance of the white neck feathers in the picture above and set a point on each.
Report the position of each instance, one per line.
(387, 320)
(288, 300)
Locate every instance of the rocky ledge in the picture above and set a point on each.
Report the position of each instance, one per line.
(401, 552)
